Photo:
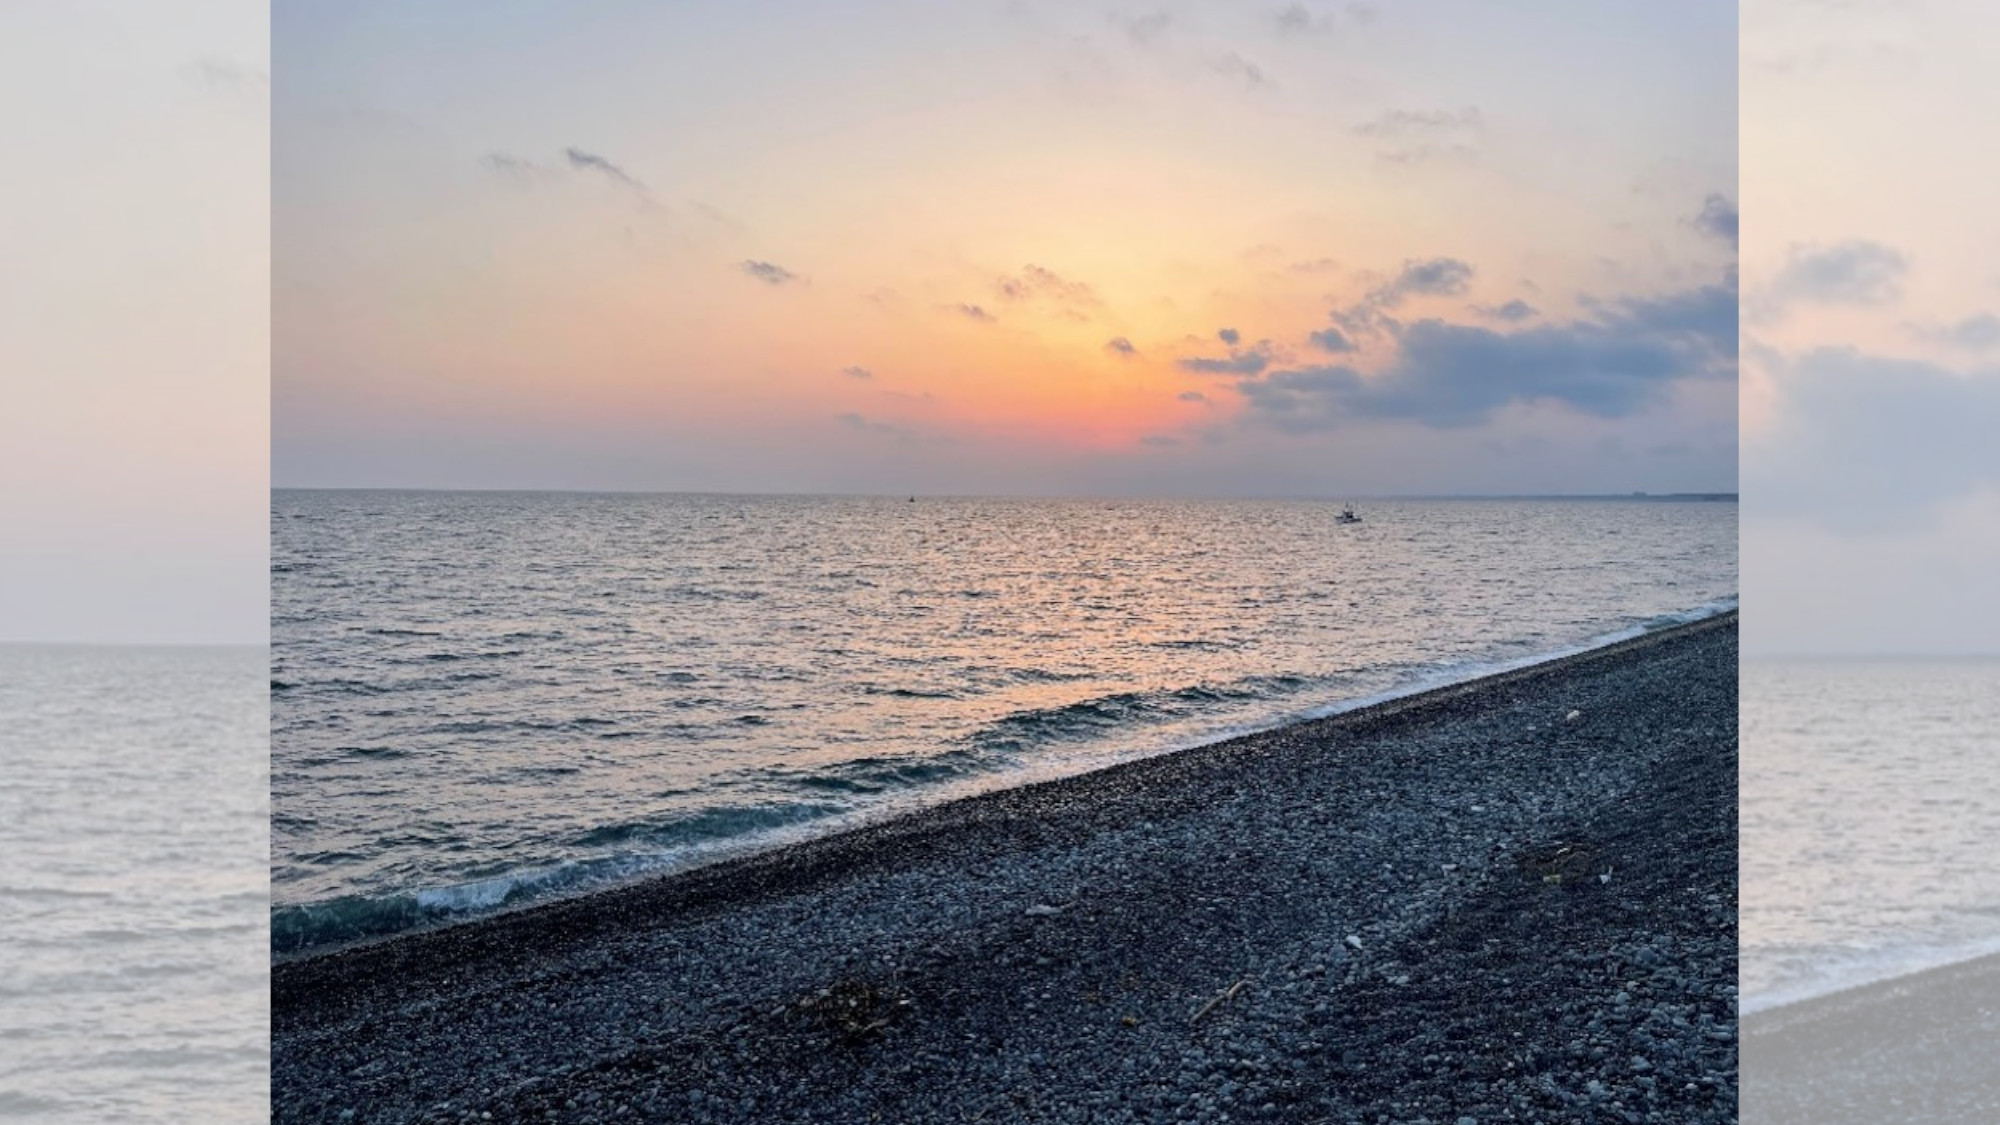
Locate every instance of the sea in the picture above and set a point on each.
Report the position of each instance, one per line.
(134, 895)
(481, 700)
(1870, 804)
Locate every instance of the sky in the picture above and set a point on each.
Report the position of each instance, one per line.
(1871, 328)
(1338, 248)
(134, 321)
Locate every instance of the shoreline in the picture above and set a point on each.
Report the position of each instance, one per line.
(1911, 1048)
(1316, 922)
(705, 857)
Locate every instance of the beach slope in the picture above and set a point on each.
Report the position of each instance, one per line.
(1513, 900)
(1921, 1048)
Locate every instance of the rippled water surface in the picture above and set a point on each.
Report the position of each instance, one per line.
(481, 697)
(133, 885)
(1870, 805)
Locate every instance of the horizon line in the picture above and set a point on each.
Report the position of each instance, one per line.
(1715, 494)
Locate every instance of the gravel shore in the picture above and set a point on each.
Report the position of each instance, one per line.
(1514, 900)
(1922, 1048)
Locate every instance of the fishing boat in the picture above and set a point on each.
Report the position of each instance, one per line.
(1347, 515)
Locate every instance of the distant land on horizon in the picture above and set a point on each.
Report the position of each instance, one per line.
(1712, 497)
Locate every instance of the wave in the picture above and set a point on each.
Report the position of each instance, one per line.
(793, 802)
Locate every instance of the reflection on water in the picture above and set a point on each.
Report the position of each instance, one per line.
(480, 695)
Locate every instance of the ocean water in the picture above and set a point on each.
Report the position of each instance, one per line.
(479, 699)
(134, 983)
(1870, 805)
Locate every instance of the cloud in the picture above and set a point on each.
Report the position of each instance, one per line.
(972, 312)
(1426, 136)
(1297, 19)
(1513, 311)
(1614, 364)
(768, 272)
(1121, 346)
(1400, 123)
(1160, 441)
(1333, 340)
(1442, 277)
(862, 424)
(1238, 363)
(1718, 217)
(1973, 334)
(1840, 454)
(1854, 273)
(515, 167)
(1035, 282)
(857, 372)
(1235, 66)
(1192, 396)
(1144, 29)
(1427, 277)
(591, 162)
(1229, 336)
(223, 74)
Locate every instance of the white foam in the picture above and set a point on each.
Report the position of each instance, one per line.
(1861, 968)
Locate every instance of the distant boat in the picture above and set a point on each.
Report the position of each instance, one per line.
(1347, 515)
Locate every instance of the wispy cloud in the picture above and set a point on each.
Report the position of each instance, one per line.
(1119, 345)
(862, 424)
(1144, 29)
(591, 162)
(768, 272)
(971, 312)
(857, 372)
(1409, 136)
(1237, 68)
(1978, 333)
(1855, 273)
(1037, 283)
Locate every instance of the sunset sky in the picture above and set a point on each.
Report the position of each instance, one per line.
(1871, 325)
(1235, 249)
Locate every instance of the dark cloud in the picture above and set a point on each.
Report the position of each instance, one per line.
(768, 272)
(1229, 336)
(1855, 272)
(1333, 340)
(1513, 311)
(857, 372)
(1442, 277)
(591, 162)
(1718, 217)
(1192, 396)
(1841, 452)
(1447, 375)
(1121, 345)
(1973, 334)
(1235, 66)
(1238, 363)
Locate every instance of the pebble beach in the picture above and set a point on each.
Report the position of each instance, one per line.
(1508, 900)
